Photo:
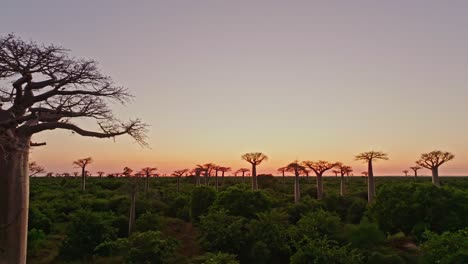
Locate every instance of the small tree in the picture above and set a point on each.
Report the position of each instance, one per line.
(35, 169)
(343, 170)
(83, 163)
(147, 172)
(254, 158)
(319, 167)
(100, 173)
(243, 171)
(297, 169)
(178, 174)
(432, 161)
(405, 172)
(369, 158)
(336, 172)
(223, 171)
(415, 169)
(283, 170)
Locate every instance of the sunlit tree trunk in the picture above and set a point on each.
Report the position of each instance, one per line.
(435, 176)
(370, 183)
(319, 187)
(254, 178)
(14, 200)
(297, 190)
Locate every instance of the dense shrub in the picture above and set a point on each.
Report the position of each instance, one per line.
(241, 202)
(447, 248)
(200, 201)
(322, 250)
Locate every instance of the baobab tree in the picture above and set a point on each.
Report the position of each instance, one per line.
(432, 161)
(147, 172)
(75, 173)
(82, 164)
(415, 169)
(35, 169)
(336, 172)
(48, 90)
(369, 158)
(405, 172)
(255, 159)
(223, 170)
(343, 170)
(100, 173)
(296, 168)
(178, 174)
(197, 171)
(127, 172)
(282, 170)
(207, 169)
(319, 168)
(49, 174)
(243, 171)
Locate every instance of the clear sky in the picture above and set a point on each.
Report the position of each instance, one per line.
(303, 80)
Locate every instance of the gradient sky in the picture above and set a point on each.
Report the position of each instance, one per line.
(300, 80)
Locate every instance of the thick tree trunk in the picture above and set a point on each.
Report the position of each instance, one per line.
(370, 183)
(254, 178)
(342, 185)
(435, 176)
(131, 218)
(297, 189)
(83, 179)
(14, 200)
(319, 187)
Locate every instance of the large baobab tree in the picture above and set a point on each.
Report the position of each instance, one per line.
(343, 170)
(432, 161)
(147, 172)
(35, 169)
(48, 90)
(369, 158)
(297, 169)
(82, 164)
(178, 174)
(255, 159)
(415, 169)
(319, 168)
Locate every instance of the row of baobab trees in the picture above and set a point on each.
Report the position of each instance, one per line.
(432, 161)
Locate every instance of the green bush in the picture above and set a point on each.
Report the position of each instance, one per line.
(241, 202)
(200, 201)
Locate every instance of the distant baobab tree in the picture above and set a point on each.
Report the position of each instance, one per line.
(255, 159)
(147, 172)
(365, 173)
(75, 173)
(405, 172)
(127, 172)
(49, 174)
(197, 171)
(223, 170)
(243, 171)
(49, 89)
(369, 158)
(178, 174)
(100, 173)
(216, 168)
(415, 169)
(432, 161)
(296, 168)
(336, 172)
(35, 169)
(343, 170)
(282, 170)
(83, 163)
(319, 168)
(66, 174)
(207, 169)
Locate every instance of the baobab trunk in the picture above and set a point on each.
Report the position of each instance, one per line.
(83, 179)
(14, 201)
(297, 189)
(254, 178)
(178, 184)
(222, 178)
(216, 181)
(197, 178)
(147, 183)
(435, 176)
(284, 179)
(319, 187)
(243, 177)
(131, 218)
(342, 185)
(370, 183)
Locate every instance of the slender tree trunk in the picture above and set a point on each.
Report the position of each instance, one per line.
(222, 178)
(147, 183)
(415, 174)
(284, 179)
(83, 179)
(435, 176)
(206, 178)
(216, 180)
(342, 185)
(370, 183)
(297, 189)
(243, 177)
(14, 200)
(319, 187)
(131, 218)
(254, 178)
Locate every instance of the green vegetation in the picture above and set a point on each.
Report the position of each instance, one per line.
(410, 221)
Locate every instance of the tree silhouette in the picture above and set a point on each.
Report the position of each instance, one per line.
(207, 169)
(365, 173)
(35, 169)
(254, 158)
(100, 173)
(405, 172)
(370, 157)
(415, 169)
(82, 164)
(147, 172)
(432, 161)
(197, 171)
(319, 168)
(243, 171)
(49, 174)
(48, 90)
(336, 172)
(296, 168)
(343, 170)
(283, 170)
(223, 170)
(133, 184)
(75, 173)
(178, 174)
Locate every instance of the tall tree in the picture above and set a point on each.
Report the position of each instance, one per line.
(82, 164)
(178, 174)
(283, 170)
(415, 169)
(405, 172)
(319, 168)
(243, 171)
(148, 172)
(197, 171)
(127, 172)
(223, 172)
(35, 169)
(369, 157)
(255, 159)
(343, 170)
(48, 90)
(296, 168)
(100, 173)
(432, 161)
(207, 169)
